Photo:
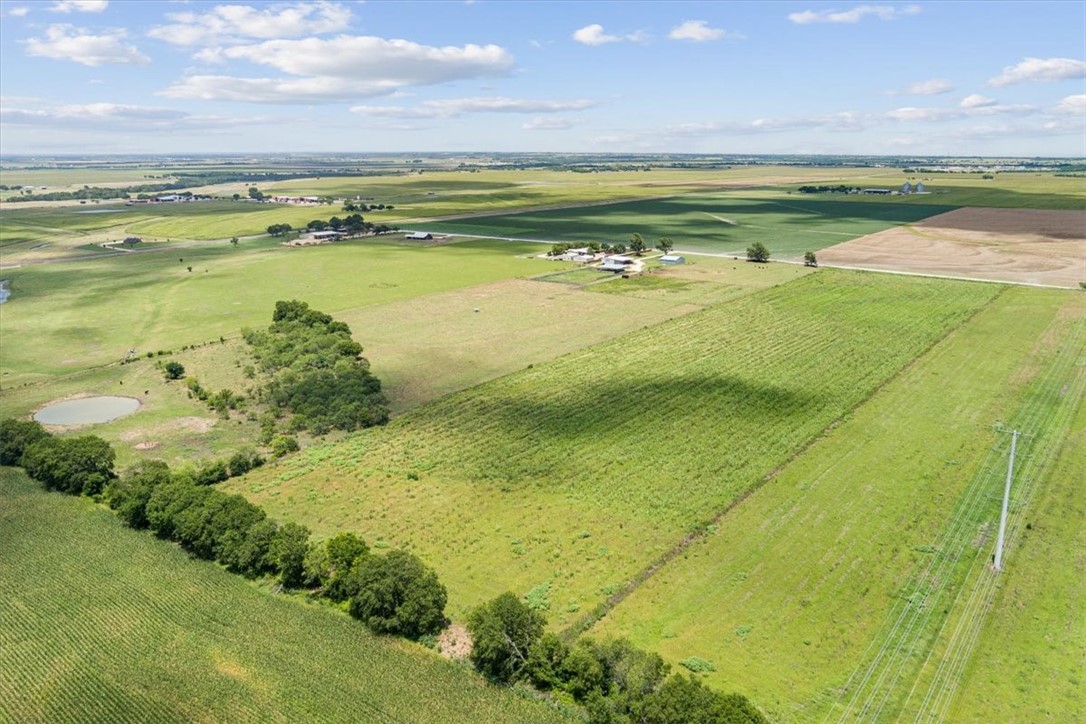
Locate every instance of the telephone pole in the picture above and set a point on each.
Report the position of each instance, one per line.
(1006, 503)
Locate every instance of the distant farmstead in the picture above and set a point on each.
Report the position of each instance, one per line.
(420, 236)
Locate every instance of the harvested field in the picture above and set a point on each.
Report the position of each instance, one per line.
(1014, 245)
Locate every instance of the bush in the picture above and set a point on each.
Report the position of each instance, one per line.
(283, 444)
(77, 465)
(129, 494)
(173, 370)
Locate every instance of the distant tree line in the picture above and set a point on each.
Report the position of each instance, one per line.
(317, 372)
(840, 189)
(395, 593)
(614, 680)
(352, 225)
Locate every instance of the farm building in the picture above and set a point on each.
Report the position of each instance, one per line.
(672, 259)
(327, 235)
(876, 192)
(617, 263)
(419, 236)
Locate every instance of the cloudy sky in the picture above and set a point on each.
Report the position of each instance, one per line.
(947, 78)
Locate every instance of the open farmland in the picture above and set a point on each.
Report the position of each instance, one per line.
(807, 577)
(101, 623)
(723, 222)
(621, 449)
(1015, 245)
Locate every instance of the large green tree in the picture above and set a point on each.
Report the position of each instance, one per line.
(398, 594)
(757, 252)
(504, 631)
(16, 436)
(73, 465)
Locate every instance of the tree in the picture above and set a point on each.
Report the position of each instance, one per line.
(757, 252)
(288, 551)
(504, 631)
(683, 699)
(279, 229)
(16, 436)
(173, 370)
(129, 494)
(809, 259)
(544, 665)
(665, 245)
(343, 553)
(637, 244)
(234, 241)
(256, 194)
(283, 445)
(399, 594)
(76, 465)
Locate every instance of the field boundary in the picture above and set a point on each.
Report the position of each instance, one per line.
(701, 530)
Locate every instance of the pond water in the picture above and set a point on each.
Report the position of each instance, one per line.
(87, 410)
(102, 211)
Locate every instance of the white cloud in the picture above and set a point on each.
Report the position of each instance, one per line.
(932, 87)
(116, 117)
(977, 101)
(66, 42)
(855, 15)
(19, 11)
(79, 6)
(1040, 69)
(547, 124)
(698, 31)
(947, 114)
(453, 107)
(225, 23)
(1072, 105)
(342, 68)
(594, 35)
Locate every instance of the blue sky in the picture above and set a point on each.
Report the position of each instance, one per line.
(946, 78)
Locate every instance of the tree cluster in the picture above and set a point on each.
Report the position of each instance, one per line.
(757, 252)
(394, 593)
(317, 371)
(613, 680)
(839, 189)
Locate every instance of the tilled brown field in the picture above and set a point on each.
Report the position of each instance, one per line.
(1014, 245)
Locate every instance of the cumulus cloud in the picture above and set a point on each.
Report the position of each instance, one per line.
(341, 68)
(225, 23)
(1072, 105)
(698, 31)
(977, 101)
(79, 6)
(453, 107)
(66, 42)
(547, 124)
(1042, 69)
(19, 11)
(593, 35)
(947, 114)
(855, 15)
(932, 87)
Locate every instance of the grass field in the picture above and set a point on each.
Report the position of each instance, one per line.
(722, 222)
(801, 577)
(621, 449)
(101, 623)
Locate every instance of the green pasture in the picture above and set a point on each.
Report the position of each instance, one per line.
(101, 623)
(67, 317)
(722, 222)
(577, 473)
(1028, 664)
(788, 594)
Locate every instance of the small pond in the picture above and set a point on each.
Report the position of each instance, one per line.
(87, 410)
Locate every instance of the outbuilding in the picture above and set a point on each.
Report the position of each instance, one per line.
(420, 236)
(672, 259)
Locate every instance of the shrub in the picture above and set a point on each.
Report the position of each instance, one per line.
(283, 444)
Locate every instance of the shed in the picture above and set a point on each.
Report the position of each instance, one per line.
(419, 236)
(672, 259)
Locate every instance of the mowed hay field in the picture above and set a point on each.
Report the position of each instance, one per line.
(721, 222)
(1015, 245)
(572, 476)
(101, 623)
(823, 592)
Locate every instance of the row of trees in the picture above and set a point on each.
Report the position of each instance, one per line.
(395, 593)
(637, 245)
(839, 189)
(613, 680)
(317, 371)
(353, 225)
(759, 253)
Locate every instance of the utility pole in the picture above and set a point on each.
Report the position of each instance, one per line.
(1006, 503)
